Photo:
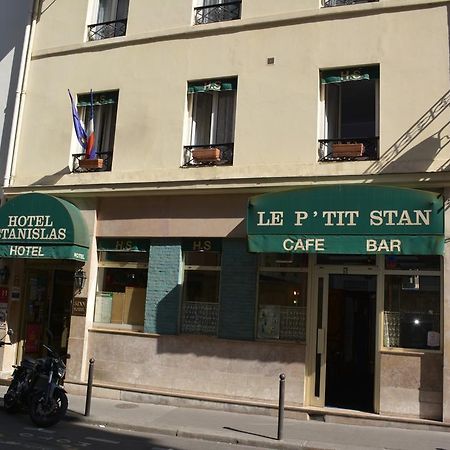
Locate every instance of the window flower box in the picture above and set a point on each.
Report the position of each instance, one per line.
(91, 163)
(347, 150)
(206, 154)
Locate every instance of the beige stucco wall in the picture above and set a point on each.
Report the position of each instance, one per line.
(201, 365)
(277, 117)
(411, 385)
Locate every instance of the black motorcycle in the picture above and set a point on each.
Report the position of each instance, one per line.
(37, 385)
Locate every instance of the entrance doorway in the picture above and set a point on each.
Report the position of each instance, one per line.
(345, 341)
(49, 294)
(351, 342)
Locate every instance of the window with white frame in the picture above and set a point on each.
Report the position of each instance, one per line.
(209, 11)
(105, 114)
(282, 296)
(109, 20)
(211, 111)
(121, 286)
(350, 111)
(200, 308)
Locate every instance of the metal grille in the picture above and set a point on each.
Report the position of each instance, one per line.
(200, 318)
(217, 13)
(105, 30)
(329, 3)
(293, 323)
(369, 153)
(225, 158)
(78, 166)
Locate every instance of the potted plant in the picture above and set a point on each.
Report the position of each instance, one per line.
(206, 154)
(91, 163)
(348, 150)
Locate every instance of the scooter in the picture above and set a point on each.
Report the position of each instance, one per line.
(37, 385)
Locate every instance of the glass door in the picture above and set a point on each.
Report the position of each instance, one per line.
(344, 340)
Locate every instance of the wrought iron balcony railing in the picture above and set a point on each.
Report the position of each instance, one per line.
(208, 155)
(352, 149)
(103, 162)
(106, 30)
(329, 3)
(217, 13)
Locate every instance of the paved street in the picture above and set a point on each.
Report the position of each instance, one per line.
(16, 432)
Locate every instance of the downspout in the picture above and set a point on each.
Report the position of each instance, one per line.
(19, 100)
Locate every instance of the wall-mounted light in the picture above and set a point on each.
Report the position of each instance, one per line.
(79, 278)
(4, 275)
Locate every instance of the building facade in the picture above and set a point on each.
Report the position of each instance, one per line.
(267, 194)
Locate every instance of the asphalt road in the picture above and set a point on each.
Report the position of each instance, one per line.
(18, 432)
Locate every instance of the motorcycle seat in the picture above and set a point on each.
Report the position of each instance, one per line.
(28, 363)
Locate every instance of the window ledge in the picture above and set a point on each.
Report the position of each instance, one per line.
(408, 352)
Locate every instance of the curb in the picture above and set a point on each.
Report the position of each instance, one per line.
(202, 435)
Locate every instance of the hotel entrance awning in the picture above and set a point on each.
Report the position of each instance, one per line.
(40, 226)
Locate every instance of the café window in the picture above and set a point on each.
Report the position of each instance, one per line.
(282, 294)
(412, 304)
(200, 309)
(121, 289)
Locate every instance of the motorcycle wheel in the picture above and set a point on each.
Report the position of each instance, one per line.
(10, 403)
(46, 413)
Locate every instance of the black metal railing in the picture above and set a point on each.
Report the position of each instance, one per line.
(217, 13)
(106, 30)
(351, 149)
(102, 163)
(208, 155)
(329, 3)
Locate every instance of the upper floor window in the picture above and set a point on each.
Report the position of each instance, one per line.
(110, 19)
(327, 3)
(104, 112)
(210, 11)
(212, 106)
(350, 111)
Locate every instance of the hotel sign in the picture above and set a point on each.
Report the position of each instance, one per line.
(42, 226)
(347, 220)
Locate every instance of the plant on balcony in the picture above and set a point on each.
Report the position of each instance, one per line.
(206, 154)
(348, 150)
(91, 163)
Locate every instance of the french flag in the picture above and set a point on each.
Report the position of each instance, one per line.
(86, 137)
(91, 152)
(78, 124)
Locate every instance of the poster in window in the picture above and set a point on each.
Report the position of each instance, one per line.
(33, 338)
(269, 322)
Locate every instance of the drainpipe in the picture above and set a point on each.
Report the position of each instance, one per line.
(19, 100)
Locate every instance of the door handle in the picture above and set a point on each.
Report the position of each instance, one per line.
(320, 341)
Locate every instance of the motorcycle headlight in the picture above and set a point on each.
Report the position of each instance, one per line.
(61, 371)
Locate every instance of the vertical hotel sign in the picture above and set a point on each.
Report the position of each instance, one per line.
(347, 219)
(42, 226)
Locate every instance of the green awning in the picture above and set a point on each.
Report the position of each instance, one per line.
(212, 86)
(347, 219)
(42, 226)
(350, 74)
(99, 98)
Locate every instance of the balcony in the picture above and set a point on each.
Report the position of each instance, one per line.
(208, 155)
(217, 13)
(106, 30)
(101, 164)
(330, 3)
(353, 149)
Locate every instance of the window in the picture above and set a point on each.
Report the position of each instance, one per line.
(121, 289)
(105, 113)
(350, 103)
(328, 3)
(201, 292)
(110, 19)
(212, 106)
(210, 11)
(282, 294)
(412, 302)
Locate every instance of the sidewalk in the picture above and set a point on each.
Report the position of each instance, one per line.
(259, 431)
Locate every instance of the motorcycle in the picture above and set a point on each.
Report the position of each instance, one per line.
(37, 385)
